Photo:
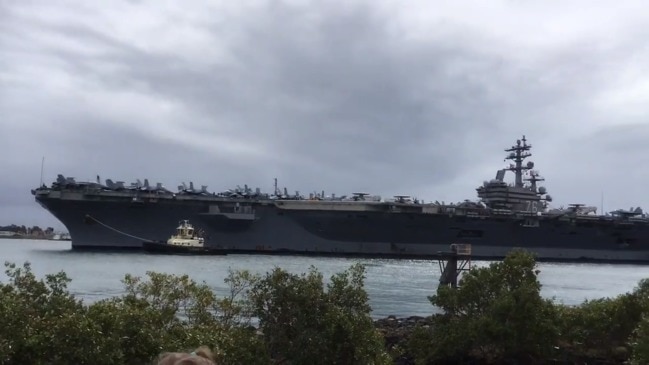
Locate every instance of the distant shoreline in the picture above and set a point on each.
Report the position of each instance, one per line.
(36, 238)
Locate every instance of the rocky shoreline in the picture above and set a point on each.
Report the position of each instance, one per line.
(397, 331)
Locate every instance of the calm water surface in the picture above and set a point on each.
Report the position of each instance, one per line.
(395, 287)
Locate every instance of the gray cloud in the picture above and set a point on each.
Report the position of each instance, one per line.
(336, 96)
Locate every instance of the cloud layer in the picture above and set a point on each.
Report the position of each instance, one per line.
(342, 96)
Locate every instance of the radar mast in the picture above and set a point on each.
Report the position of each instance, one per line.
(518, 154)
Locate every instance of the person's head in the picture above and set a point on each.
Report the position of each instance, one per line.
(201, 356)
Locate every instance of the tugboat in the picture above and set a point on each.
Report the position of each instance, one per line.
(185, 240)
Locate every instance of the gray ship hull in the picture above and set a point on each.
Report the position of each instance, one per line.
(125, 223)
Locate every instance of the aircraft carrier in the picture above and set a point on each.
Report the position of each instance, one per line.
(505, 216)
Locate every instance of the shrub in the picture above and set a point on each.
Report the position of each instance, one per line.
(496, 314)
(301, 322)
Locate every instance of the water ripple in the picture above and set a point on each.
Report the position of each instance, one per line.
(397, 287)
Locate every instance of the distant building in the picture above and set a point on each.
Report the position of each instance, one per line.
(7, 234)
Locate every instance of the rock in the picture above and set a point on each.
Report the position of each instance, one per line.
(397, 331)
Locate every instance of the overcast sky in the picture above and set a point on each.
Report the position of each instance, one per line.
(389, 97)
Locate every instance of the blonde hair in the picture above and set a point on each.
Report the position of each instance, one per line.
(201, 356)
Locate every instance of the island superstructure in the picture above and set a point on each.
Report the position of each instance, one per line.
(505, 216)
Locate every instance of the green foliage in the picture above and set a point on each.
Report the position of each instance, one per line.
(640, 343)
(597, 327)
(304, 324)
(496, 314)
(44, 324)
(603, 328)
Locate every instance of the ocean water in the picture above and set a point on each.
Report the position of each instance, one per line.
(395, 287)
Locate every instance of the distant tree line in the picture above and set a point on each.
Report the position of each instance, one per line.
(496, 316)
(35, 230)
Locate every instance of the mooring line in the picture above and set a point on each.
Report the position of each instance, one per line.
(117, 230)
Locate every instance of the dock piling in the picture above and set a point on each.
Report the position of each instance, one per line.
(452, 263)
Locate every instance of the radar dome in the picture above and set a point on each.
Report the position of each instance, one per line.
(530, 164)
(548, 198)
(542, 190)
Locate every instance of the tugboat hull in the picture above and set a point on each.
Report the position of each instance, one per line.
(164, 248)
